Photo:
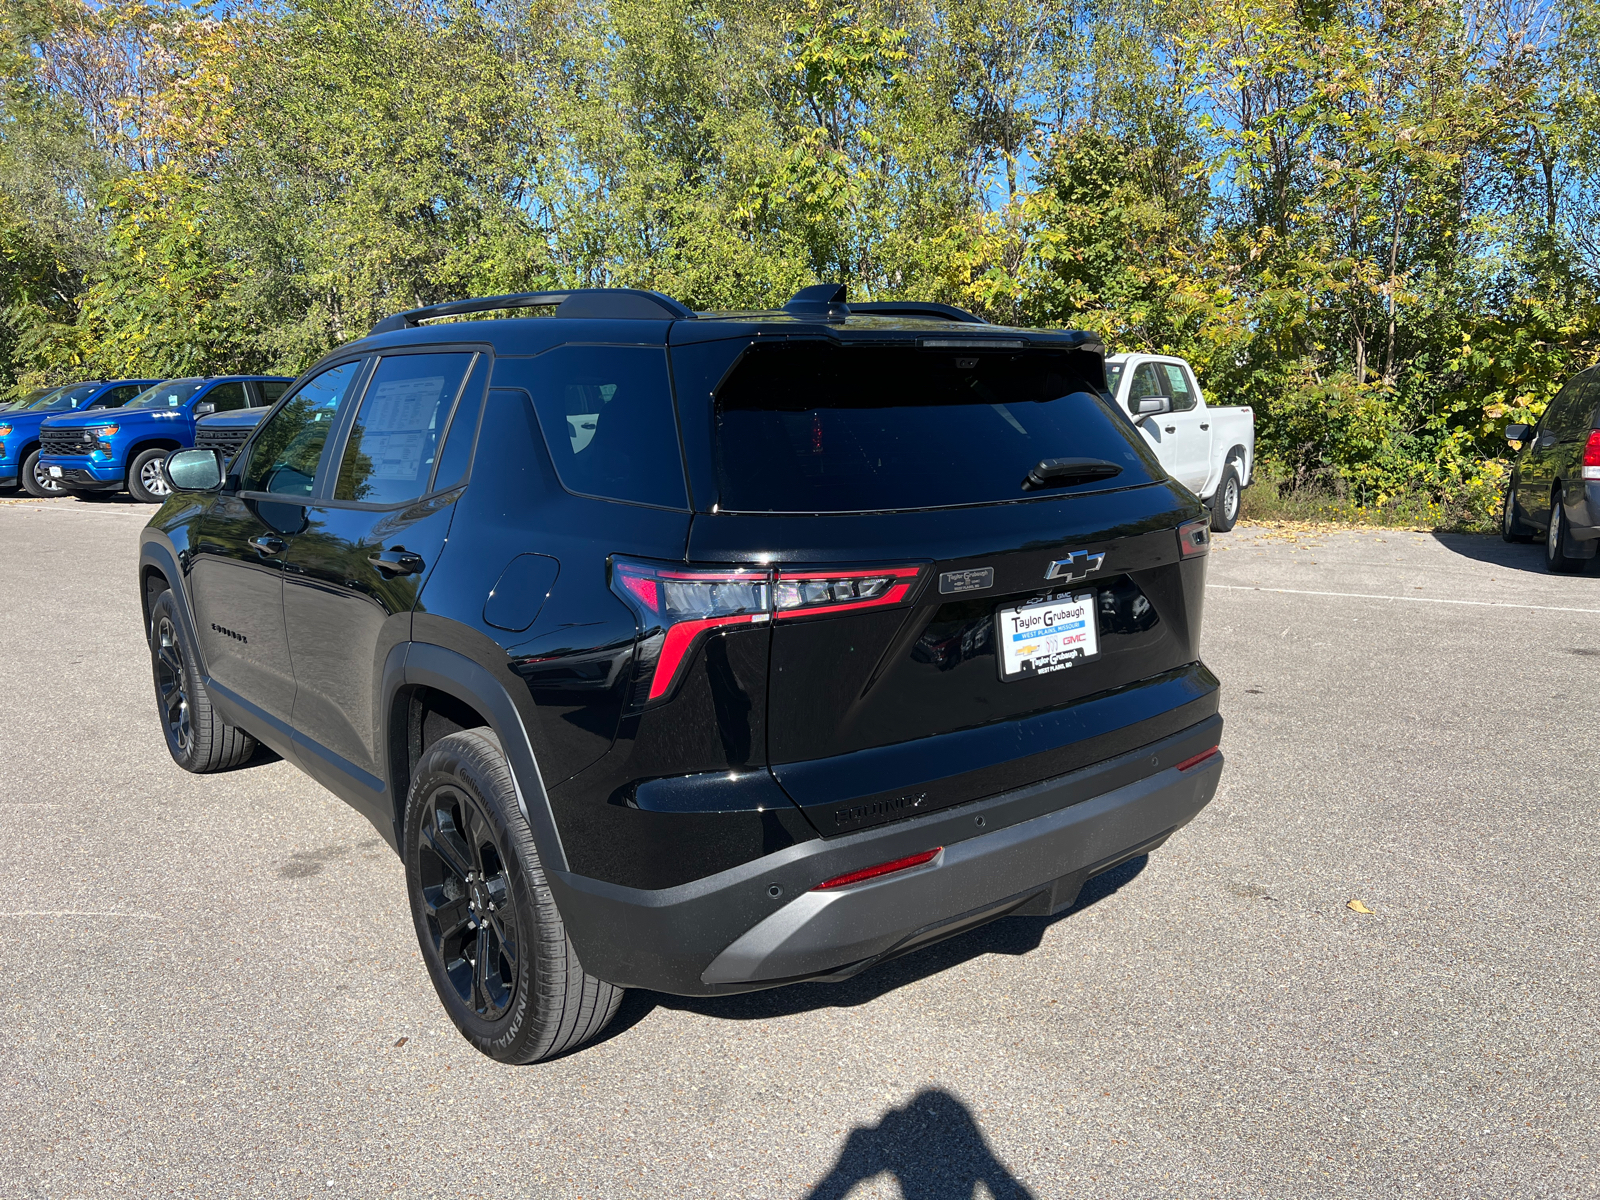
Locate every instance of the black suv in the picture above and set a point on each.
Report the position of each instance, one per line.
(1555, 479)
(701, 652)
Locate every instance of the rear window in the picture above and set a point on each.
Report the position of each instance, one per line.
(815, 427)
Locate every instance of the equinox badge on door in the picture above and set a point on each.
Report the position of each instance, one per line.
(1084, 562)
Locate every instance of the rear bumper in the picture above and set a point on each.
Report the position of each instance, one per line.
(1024, 852)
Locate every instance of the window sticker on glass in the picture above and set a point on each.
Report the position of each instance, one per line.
(1047, 634)
(399, 419)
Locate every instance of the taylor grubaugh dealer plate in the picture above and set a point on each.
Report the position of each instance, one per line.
(1048, 634)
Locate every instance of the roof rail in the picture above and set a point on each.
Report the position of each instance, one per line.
(918, 308)
(602, 303)
(828, 301)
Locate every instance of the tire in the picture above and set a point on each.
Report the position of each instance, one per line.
(30, 475)
(512, 984)
(1558, 542)
(1512, 527)
(1226, 500)
(145, 479)
(197, 738)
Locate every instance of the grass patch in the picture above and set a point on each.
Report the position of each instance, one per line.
(1273, 500)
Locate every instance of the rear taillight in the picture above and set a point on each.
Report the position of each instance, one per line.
(888, 868)
(797, 593)
(1194, 538)
(678, 606)
(1591, 456)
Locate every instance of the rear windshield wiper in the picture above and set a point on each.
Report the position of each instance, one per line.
(1060, 472)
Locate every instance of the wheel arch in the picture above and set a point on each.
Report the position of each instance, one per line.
(1239, 453)
(149, 443)
(157, 561)
(422, 678)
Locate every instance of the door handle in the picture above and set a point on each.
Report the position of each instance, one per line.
(1206, 426)
(266, 545)
(398, 561)
(1172, 429)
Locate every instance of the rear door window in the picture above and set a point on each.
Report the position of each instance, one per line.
(606, 413)
(816, 427)
(388, 456)
(272, 390)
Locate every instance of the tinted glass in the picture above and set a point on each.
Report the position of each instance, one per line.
(1113, 377)
(1558, 412)
(1577, 414)
(606, 412)
(388, 457)
(228, 397)
(32, 398)
(272, 390)
(286, 450)
(118, 396)
(811, 427)
(1178, 387)
(171, 394)
(457, 453)
(64, 400)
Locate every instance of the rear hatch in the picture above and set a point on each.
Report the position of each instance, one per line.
(994, 477)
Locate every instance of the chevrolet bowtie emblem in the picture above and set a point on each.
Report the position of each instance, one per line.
(1077, 565)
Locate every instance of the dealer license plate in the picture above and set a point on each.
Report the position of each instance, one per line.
(1049, 634)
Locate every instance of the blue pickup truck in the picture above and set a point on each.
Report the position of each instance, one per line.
(20, 425)
(94, 453)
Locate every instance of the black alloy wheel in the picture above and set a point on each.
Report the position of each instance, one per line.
(197, 738)
(492, 938)
(172, 686)
(465, 894)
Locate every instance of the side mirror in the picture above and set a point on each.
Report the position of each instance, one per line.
(205, 408)
(194, 470)
(1152, 406)
(1518, 433)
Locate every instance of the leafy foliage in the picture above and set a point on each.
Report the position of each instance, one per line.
(1373, 222)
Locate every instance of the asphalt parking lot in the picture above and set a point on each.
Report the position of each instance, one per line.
(211, 984)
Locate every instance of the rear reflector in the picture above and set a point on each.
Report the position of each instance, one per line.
(888, 868)
(1198, 758)
(1591, 456)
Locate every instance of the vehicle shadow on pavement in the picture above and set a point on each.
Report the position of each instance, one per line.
(933, 1148)
(1490, 549)
(1009, 935)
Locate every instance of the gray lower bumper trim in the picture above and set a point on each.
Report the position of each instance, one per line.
(819, 932)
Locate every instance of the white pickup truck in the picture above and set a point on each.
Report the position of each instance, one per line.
(1210, 450)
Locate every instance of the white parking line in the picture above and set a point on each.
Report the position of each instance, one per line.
(1233, 587)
